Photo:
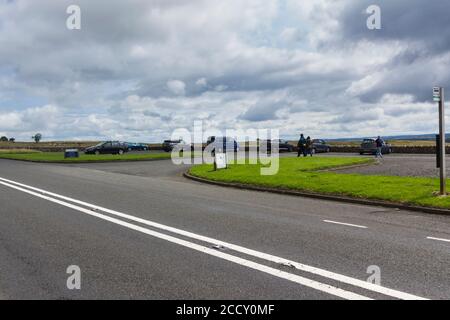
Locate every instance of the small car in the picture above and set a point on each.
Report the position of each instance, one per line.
(169, 145)
(369, 146)
(320, 145)
(283, 145)
(108, 147)
(224, 144)
(137, 146)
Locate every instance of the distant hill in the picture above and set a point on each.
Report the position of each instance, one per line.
(420, 137)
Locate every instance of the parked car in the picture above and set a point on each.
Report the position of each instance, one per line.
(320, 145)
(137, 146)
(108, 147)
(283, 145)
(169, 145)
(370, 146)
(224, 144)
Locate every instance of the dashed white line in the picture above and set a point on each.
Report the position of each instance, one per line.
(438, 239)
(345, 224)
(272, 258)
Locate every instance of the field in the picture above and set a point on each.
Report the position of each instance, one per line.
(301, 174)
(395, 143)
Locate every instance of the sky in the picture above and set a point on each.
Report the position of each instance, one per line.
(139, 69)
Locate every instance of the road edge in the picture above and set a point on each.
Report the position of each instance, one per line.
(320, 196)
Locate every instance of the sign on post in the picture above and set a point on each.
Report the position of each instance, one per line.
(220, 161)
(438, 96)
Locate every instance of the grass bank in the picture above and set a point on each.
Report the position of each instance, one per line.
(17, 151)
(59, 157)
(299, 174)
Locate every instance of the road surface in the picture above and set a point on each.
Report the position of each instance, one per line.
(141, 231)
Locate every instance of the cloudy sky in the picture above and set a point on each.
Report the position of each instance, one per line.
(138, 69)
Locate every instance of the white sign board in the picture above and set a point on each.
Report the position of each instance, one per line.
(437, 94)
(221, 161)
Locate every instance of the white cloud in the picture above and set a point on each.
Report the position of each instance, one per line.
(177, 87)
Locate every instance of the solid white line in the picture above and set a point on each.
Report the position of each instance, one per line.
(247, 263)
(345, 224)
(438, 239)
(250, 252)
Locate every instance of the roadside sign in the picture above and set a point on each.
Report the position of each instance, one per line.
(221, 161)
(437, 94)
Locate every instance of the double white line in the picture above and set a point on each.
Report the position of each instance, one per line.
(92, 210)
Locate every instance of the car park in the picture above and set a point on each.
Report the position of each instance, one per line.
(369, 146)
(320, 145)
(108, 147)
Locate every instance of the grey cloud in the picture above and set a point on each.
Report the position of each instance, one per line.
(110, 79)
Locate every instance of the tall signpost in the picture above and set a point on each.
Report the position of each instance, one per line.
(438, 96)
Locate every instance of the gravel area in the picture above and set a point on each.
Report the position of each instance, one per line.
(402, 165)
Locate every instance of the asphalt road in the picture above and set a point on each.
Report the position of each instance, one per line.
(132, 257)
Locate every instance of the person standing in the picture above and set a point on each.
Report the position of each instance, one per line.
(309, 147)
(379, 143)
(301, 145)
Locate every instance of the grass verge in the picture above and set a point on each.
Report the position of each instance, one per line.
(59, 157)
(17, 151)
(297, 174)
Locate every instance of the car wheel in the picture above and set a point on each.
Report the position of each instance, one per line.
(328, 150)
(361, 153)
(97, 153)
(120, 152)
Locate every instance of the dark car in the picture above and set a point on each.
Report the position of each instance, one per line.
(108, 147)
(369, 146)
(320, 145)
(169, 145)
(137, 146)
(224, 144)
(283, 145)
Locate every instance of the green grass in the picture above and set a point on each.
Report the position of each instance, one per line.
(59, 157)
(296, 174)
(17, 151)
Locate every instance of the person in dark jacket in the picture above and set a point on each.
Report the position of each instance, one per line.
(309, 146)
(379, 143)
(301, 146)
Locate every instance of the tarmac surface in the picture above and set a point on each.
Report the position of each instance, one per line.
(116, 222)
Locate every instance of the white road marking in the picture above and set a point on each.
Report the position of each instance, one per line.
(438, 239)
(247, 263)
(272, 258)
(345, 224)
